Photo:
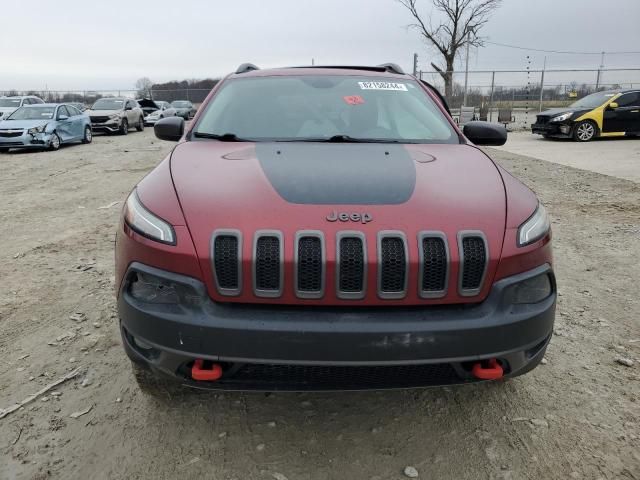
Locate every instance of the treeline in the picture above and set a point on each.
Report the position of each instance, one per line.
(192, 90)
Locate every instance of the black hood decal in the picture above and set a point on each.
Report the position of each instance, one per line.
(337, 174)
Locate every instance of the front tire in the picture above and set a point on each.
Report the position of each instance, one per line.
(88, 135)
(124, 127)
(140, 125)
(54, 142)
(585, 131)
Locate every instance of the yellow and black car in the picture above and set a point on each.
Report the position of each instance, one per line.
(612, 113)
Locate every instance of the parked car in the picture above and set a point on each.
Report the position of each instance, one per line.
(116, 115)
(45, 125)
(612, 113)
(161, 110)
(8, 105)
(79, 105)
(184, 109)
(331, 228)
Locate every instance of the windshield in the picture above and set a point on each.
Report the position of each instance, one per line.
(594, 100)
(9, 102)
(324, 108)
(108, 104)
(181, 104)
(33, 113)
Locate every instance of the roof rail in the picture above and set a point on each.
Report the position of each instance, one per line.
(387, 67)
(393, 68)
(246, 67)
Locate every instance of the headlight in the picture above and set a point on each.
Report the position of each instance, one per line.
(115, 116)
(532, 290)
(562, 118)
(536, 227)
(36, 130)
(146, 223)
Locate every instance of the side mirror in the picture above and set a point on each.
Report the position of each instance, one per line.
(485, 133)
(62, 118)
(170, 129)
(613, 105)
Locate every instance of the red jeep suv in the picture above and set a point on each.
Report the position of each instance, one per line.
(321, 228)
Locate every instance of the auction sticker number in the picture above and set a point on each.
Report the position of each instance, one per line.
(398, 87)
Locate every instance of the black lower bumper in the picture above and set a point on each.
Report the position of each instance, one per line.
(300, 348)
(560, 130)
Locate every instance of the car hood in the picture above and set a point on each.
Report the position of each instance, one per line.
(22, 124)
(102, 113)
(294, 186)
(552, 112)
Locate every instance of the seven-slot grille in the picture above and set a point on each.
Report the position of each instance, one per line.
(226, 255)
(393, 266)
(473, 262)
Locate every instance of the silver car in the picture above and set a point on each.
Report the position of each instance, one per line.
(116, 115)
(8, 105)
(162, 110)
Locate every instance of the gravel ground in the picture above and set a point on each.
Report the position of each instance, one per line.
(577, 416)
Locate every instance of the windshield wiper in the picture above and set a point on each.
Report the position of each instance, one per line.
(345, 139)
(226, 137)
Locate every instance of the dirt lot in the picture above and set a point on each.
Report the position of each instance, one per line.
(577, 416)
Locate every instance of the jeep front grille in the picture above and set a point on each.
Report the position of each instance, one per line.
(309, 265)
(226, 255)
(434, 264)
(394, 263)
(473, 262)
(268, 264)
(351, 265)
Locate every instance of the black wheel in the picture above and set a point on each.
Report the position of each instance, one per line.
(88, 135)
(4, 150)
(124, 127)
(150, 384)
(54, 143)
(140, 125)
(585, 131)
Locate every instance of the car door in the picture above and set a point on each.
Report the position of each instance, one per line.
(77, 123)
(64, 127)
(129, 112)
(625, 117)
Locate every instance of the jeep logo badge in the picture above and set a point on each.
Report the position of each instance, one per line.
(349, 217)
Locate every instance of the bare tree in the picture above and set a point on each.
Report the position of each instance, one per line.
(462, 22)
(143, 86)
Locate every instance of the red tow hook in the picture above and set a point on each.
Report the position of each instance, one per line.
(205, 374)
(487, 370)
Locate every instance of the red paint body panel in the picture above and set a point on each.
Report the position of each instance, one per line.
(222, 186)
(208, 185)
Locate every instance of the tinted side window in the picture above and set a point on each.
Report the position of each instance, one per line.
(26, 101)
(629, 100)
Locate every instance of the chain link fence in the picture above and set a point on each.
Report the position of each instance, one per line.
(520, 94)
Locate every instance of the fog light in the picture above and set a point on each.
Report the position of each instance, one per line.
(151, 289)
(532, 290)
(565, 129)
(142, 344)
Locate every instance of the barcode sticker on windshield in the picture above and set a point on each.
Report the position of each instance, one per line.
(399, 87)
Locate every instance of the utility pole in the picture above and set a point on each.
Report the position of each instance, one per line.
(600, 71)
(415, 64)
(544, 67)
(466, 73)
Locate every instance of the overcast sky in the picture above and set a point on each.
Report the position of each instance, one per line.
(80, 44)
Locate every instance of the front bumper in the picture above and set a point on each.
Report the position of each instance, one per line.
(290, 348)
(111, 126)
(26, 140)
(552, 129)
